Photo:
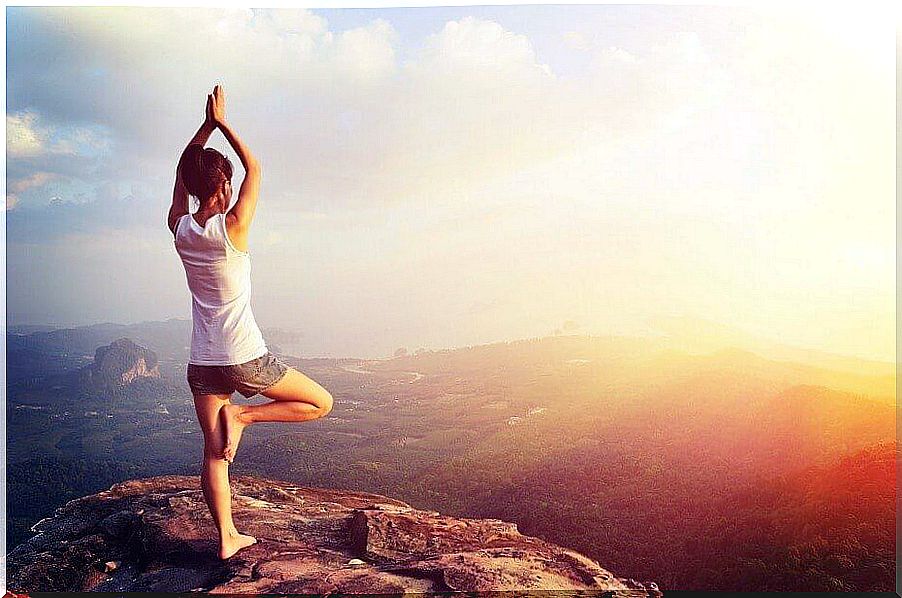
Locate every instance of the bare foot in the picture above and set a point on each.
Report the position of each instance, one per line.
(231, 544)
(233, 426)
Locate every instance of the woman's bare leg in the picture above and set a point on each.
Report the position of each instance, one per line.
(296, 398)
(214, 475)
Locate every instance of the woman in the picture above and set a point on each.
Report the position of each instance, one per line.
(228, 352)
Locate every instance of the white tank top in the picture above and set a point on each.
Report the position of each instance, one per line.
(219, 277)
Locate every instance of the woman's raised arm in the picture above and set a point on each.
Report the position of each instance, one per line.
(244, 209)
(179, 205)
(218, 114)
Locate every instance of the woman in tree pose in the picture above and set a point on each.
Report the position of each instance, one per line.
(228, 352)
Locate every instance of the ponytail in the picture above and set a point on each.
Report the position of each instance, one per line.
(202, 170)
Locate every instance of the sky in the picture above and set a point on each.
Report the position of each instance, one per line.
(447, 176)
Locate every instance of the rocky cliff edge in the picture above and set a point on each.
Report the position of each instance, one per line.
(156, 535)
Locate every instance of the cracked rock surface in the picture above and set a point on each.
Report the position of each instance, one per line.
(156, 535)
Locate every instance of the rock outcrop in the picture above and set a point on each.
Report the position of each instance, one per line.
(156, 535)
(118, 364)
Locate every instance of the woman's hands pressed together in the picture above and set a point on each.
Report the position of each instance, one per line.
(215, 119)
(216, 106)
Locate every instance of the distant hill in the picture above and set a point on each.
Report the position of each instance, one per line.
(51, 349)
(609, 359)
(698, 335)
(22, 329)
(71, 348)
(118, 364)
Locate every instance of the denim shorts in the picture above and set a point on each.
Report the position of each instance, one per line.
(249, 378)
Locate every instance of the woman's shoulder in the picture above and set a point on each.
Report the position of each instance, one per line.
(237, 238)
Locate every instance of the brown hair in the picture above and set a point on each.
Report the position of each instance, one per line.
(202, 170)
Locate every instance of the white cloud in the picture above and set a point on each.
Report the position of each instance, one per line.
(366, 52)
(27, 137)
(16, 187)
(336, 117)
(23, 138)
(338, 120)
(472, 46)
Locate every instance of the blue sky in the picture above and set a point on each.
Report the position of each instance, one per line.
(440, 176)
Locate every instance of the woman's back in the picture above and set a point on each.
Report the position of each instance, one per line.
(219, 277)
